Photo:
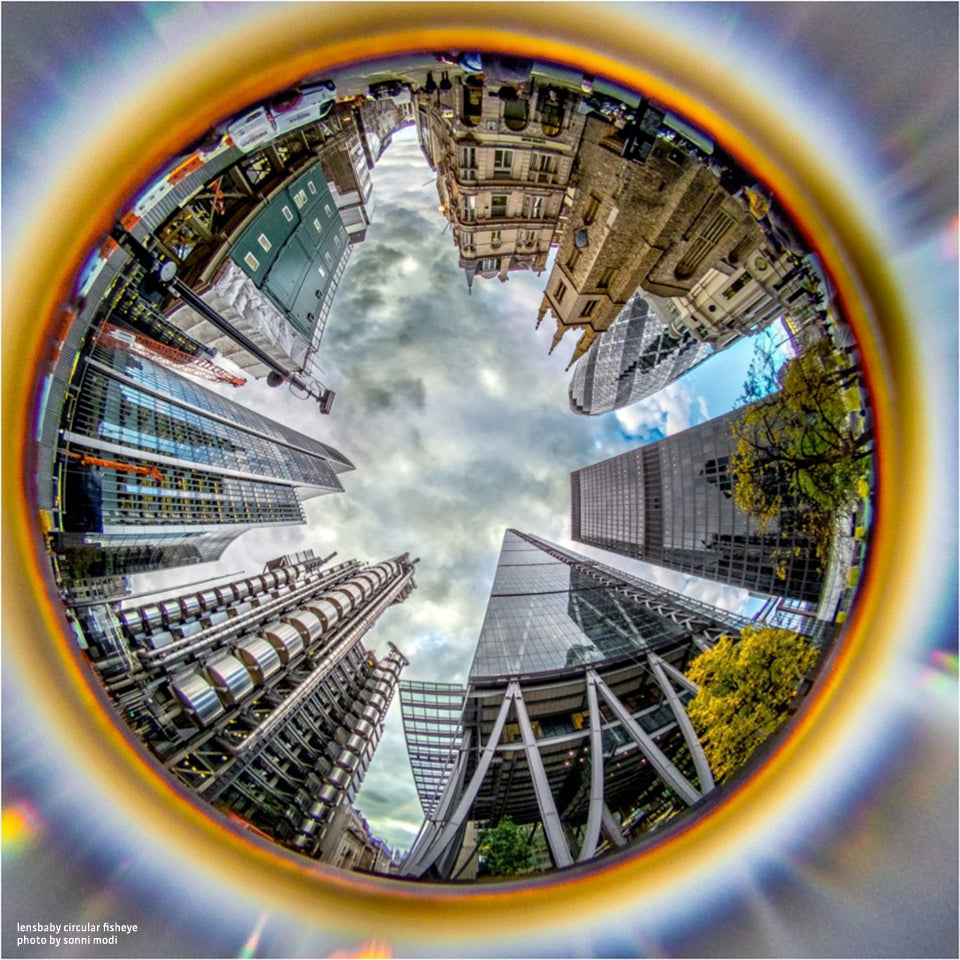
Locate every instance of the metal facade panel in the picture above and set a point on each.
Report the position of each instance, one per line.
(309, 190)
(264, 238)
(287, 274)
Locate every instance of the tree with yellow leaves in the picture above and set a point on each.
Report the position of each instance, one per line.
(745, 686)
(799, 456)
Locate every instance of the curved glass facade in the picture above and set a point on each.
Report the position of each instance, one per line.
(634, 358)
(551, 610)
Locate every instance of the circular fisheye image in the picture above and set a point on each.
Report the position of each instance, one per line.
(455, 467)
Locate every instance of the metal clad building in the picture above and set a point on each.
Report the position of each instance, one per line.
(258, 694)
(294, 250)
(155, 471)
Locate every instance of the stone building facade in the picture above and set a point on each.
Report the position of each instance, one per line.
(659, 225)
(503, 154)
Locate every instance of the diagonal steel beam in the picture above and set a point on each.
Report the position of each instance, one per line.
(611, 828)
(673, 672)
(435, 822)
(439, 844)
(549, 817)
(667, 772)
(591, 834)
(660, 667)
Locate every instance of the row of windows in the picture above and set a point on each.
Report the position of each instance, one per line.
(181, 393)
(121, 414)
(532, 208)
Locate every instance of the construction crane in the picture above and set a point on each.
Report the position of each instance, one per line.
(162, 276)
(200, 365)
(88, 459)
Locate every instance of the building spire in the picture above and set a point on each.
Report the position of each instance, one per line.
(583, 345)
(557, 337)
(542, 313)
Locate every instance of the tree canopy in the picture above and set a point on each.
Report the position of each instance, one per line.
(505, 849)
(744, 689)
(799, 456)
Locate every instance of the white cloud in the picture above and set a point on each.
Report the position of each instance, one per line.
(667, 412)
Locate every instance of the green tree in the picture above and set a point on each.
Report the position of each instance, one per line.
(798, 457)
(744, 689)
(505, 849)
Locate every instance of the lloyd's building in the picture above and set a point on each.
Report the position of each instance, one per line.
(572, 720)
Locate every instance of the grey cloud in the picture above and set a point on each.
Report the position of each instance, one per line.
(457, 420)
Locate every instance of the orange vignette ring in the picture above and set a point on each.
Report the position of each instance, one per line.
(284, 45)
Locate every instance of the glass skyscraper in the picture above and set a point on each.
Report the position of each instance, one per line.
(155, 471)
(259, 695)
(572, 719)
(671, 503)
(637, 355)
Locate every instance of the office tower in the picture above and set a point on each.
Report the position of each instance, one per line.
(572, 719)
(655, 340)
(154, 471)
(260, 217)
(259, 694)
(503, 146)
(671, 503)
(635, 357)
(655, 220)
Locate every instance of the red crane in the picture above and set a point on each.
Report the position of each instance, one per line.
(142, 346)
(90, 459)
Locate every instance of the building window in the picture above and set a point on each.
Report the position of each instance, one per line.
(737, 285)
(606, 278)
(328, 258)
(588, 308)
(496, 238)
(502, 163)
(311, 187)
(543, 168)
(491, 263)
(498, 205)
(251, 261)
(703, 245)
(561, 290)
(573, 259)
(533, 208)
(264, 242)
(590, 210)
(327, 210)
(469, 209)
(322, 272)
(288, 213)
(316, 225)
(468, 163)
(300, 198)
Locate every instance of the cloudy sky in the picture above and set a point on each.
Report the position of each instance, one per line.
(459, 425)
